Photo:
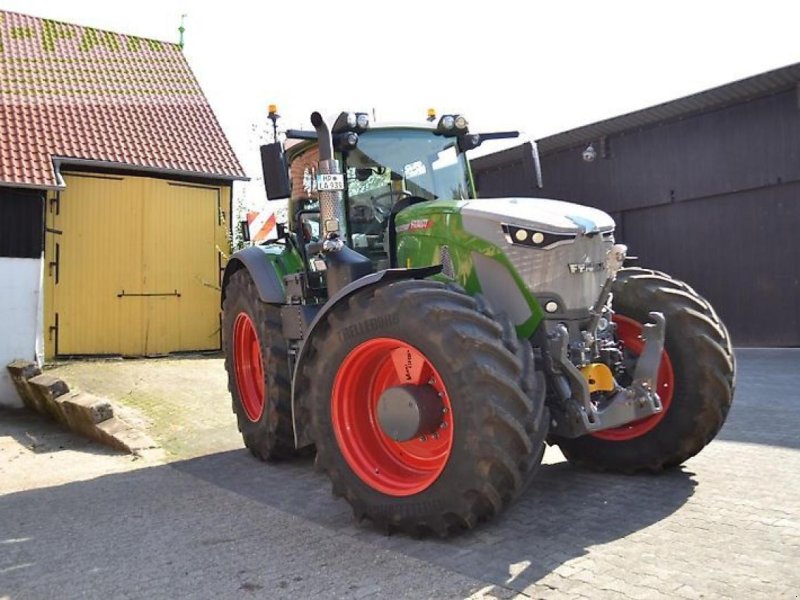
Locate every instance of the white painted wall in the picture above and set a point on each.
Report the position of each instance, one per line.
(20, 319)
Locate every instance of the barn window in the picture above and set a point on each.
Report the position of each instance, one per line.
(21, 225)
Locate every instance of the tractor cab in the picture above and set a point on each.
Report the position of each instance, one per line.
(388, 165)
(382, 169)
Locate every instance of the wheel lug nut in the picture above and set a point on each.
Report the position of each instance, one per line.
(443, 425)
(422, 438)
(431, 381)
(444, 409)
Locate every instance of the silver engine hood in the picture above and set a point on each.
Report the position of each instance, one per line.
(570, 265)
(553, 216)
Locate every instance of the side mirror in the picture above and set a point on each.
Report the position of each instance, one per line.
(276, 171)
(469, 141)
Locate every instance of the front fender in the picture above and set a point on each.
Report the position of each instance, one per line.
(299, 396)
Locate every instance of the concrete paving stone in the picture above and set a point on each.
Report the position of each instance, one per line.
(544, 593)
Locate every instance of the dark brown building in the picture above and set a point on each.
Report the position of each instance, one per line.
(706, 187)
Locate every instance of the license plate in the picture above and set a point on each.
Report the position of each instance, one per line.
(330, 182)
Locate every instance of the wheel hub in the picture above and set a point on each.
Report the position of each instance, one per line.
(409, 411)
(396, 468)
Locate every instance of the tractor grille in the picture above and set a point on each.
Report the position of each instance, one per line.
(574, 271)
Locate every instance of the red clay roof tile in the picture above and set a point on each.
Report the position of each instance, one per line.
(75, 92)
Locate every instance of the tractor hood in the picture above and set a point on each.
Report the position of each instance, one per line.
(551, 216)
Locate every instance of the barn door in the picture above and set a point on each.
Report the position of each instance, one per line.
(94, 233)
(133, 266)
(181, 261)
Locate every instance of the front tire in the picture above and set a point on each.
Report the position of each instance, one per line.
(493, 423)
(258, 369)
(696, 379)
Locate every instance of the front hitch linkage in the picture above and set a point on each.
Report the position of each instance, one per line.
(638, 401)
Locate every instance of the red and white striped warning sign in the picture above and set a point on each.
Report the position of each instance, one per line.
(260, 225)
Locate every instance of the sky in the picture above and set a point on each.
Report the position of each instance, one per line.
(540, 67)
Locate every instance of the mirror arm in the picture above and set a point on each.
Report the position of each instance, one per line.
(470, 141)
(300, 134)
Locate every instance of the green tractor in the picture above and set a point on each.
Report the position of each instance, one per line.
(428, 344)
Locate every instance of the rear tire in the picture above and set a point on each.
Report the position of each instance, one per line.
(495, 427)
(703, 365)
(258, 369)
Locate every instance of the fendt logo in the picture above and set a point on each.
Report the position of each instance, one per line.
(586, 267)
(48, 35)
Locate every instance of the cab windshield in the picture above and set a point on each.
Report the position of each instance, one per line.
(413, 162)
(391, 164)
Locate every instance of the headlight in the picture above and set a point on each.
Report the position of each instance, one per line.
(362, 121)
(524, 236)
(461, 122)
(448, 122)
(351, 119)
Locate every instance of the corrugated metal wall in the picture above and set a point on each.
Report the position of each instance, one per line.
(713, 199)
(507, 173)
(134, 265)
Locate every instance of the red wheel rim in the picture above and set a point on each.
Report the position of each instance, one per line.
(391, 467)
(248, 367)
(629, 332)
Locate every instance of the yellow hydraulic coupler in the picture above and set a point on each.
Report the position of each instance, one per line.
(599, 378)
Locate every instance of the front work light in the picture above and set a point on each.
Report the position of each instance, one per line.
(347, 141)
(451, 125)
(351, 121)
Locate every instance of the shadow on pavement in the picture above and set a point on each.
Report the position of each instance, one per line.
(227, 520)
(564, 512)
(41, 434)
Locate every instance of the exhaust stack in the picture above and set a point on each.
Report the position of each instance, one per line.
(331, 201)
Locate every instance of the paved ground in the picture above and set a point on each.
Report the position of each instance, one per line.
(221, 525)
(183, 402)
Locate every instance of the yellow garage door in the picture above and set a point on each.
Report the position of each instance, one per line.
(134, 266)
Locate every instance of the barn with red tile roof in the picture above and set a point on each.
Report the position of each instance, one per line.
(115, 196)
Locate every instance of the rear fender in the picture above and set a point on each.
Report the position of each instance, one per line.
(257, 262)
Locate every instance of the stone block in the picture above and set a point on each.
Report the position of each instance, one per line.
(46, 389)
(21, 371)
(86, 409)
(118, 434)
